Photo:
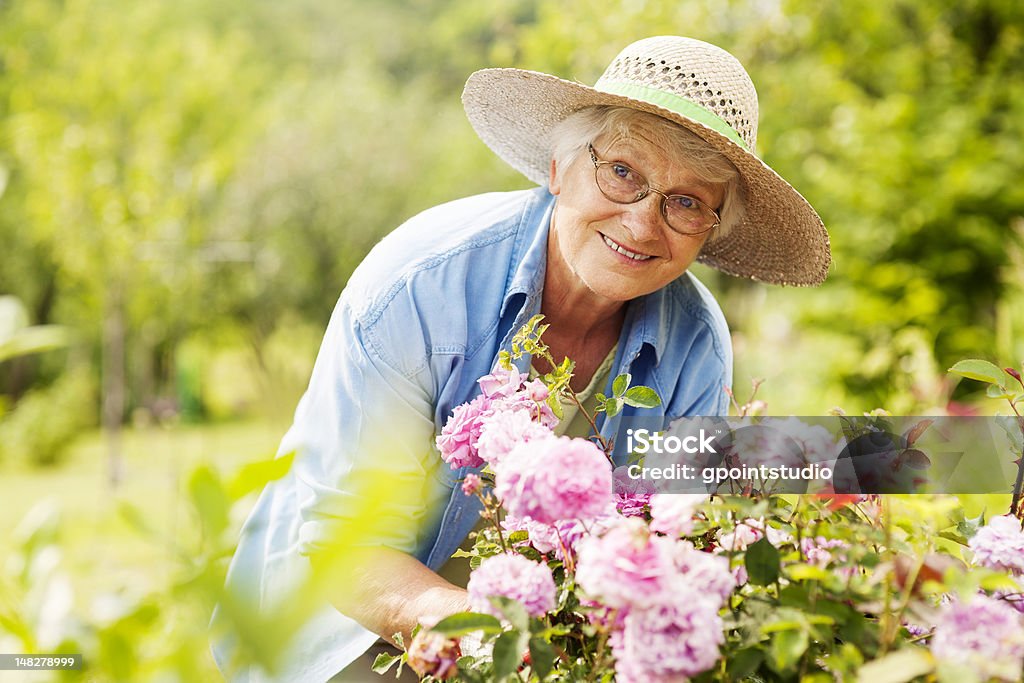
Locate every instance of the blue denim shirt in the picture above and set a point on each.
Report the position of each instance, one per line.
(424, 316)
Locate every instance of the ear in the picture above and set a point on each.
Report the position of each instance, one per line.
(554, 182)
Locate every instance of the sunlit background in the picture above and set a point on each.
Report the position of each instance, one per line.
(185, 188)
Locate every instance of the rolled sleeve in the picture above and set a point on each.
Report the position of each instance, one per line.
(366, 469)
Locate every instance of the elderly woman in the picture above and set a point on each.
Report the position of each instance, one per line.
(640, 176)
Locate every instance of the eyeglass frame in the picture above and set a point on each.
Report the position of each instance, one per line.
(598, 162)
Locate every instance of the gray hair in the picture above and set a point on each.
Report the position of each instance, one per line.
(569, 138)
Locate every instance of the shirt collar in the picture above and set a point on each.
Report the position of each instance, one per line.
(529, 262)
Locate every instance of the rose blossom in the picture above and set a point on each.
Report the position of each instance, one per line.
(432, 654)
(672, 513)
(705, 572)
(472, 484)
(555, 478)
(749, 531)
(916, 630)
(548, 538)
(501, 383)
(538, 410)
(815, 442)
(1013, 598)
(627, 566)
(1000, 545)
(503, 392)
(982, 634)
(671, 641)
(545, 537)
(632, 494)
(820, 550)
(503, 430)
(511, 576)
(458, 439)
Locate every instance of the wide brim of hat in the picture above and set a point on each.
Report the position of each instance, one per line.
(781, 239)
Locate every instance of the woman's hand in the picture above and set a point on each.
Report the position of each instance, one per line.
(388, 591)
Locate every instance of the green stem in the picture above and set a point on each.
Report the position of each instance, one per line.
(546, 355)
(492, 514)
(890, 576)
(602, 442)
(1015, 507)
(601, 640)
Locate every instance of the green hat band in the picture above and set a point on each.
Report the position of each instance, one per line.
(679, 105)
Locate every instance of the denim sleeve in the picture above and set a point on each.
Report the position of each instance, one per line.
(366, 469)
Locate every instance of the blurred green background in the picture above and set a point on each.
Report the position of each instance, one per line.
(186, 186)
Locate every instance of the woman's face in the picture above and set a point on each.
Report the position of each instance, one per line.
(590, 232)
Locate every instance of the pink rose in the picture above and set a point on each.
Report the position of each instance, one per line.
(457, 441)
(555, 478)
(501, 383)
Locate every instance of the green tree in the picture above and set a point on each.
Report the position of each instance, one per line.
(124, 121)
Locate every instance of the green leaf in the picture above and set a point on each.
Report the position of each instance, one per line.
(555, 405)
(803, 572)
(999, 392)
(762, 563)
(35, 339)
(613, 406)
(513, 611)
(642, 397)
(953, 536)
(542, 657)
(981, 370)
(508, 653)
(968, 526)
(1013, 432)
(210, 500)
(621, 383)
(383, 662)
(136, 519)
(998, 582)
(897, 667)
(783, 625)
(255, 475)
(467, 622)
(787, 647)
(519, 536)
(744, 663)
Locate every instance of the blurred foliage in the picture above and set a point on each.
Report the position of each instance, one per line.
(221, 169)
(44, 423)
(18, 338)
(155, 632)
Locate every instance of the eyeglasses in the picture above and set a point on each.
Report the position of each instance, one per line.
(621, 184)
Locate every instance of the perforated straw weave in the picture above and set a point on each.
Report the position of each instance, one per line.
(780, 240)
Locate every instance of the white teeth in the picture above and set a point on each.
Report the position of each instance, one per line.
(625, 252)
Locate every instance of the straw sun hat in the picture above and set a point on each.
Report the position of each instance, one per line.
(781, 239)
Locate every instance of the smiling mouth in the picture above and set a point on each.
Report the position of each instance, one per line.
(615, 246)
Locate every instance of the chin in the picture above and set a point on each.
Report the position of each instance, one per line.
(615, 288)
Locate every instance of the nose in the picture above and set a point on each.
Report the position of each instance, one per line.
(643, 219)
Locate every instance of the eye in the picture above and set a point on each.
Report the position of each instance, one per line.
(622, 171)
(681, 201)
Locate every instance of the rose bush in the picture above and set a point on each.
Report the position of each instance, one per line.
(583, 574)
